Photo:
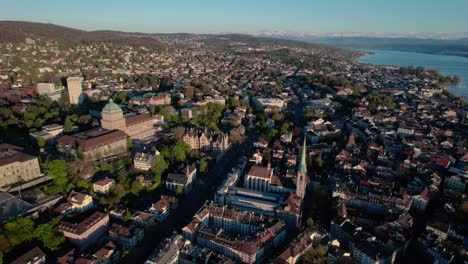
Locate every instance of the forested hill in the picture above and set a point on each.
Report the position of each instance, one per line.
(18, 31)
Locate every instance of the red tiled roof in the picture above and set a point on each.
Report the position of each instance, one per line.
(134, 120)
(259, 171)
(93, 142)
(104, 182)
(83, 226)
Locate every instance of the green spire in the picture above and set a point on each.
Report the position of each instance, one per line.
(303, 165)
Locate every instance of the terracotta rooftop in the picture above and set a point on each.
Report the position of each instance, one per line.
(29, 257)
(135, 120)
(93, 139)
(164, 202)
(83, 226)
(104, 182)
(259, 171)
(10, 154)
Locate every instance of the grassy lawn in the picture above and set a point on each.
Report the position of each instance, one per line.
(53, 190)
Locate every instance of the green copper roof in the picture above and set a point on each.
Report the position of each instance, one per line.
(303, 165)
(111, 106)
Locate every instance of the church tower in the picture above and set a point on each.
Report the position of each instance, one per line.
(302, 173)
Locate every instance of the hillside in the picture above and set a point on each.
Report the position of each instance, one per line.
(17, 31)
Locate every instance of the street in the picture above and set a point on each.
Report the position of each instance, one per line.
(203, 189)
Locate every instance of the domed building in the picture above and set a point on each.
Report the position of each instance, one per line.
(137, 127)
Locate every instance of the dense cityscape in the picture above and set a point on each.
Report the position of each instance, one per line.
(230, 148)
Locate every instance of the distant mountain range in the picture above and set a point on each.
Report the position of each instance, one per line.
(409, 35)
(435, 43)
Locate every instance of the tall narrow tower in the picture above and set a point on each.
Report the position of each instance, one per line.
(302, 173)
(74, 89)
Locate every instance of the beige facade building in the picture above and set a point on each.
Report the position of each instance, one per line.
(94, 144)
(16, 166)
(49, 133)
(87, 232)
(74, 89)
(137, 127)
(205, 141)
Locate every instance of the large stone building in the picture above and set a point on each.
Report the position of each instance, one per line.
(49, 133)
(16, 166)
(243, 236)
(258, 178)
(94, 144)
(74, 89)
(204, 141)
(49, 90)
(137, 127)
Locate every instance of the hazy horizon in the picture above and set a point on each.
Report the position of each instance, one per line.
(295, 17)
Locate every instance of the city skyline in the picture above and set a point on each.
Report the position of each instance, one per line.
(299, 17)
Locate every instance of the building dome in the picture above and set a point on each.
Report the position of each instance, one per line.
(111, 107)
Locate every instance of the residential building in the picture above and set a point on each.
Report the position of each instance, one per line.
(86, 232)
(33, 256)
(103, 186)
(419, 202)
(455, 183)
(76, 202)
(163, 207)
(295, 252)
(127, 236)
(143, 218)
(143, 161)
(241, 235)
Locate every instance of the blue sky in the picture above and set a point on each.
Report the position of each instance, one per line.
(245, 15)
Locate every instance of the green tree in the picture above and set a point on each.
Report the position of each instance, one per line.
(180, 151)
(179, 190)
(127, 217)
(41, 142)
(19, 230)
(129, 143)
(203, 165)
(102, 200)
(79, 152)
(119, 191)
(320, 163)
(47, 234)
(57, 169)
(68, 126)
(318, 255)
(158, 166)
(178, 132)
(136, 187)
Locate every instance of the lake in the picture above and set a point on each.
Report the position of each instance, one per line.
(447, 65)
